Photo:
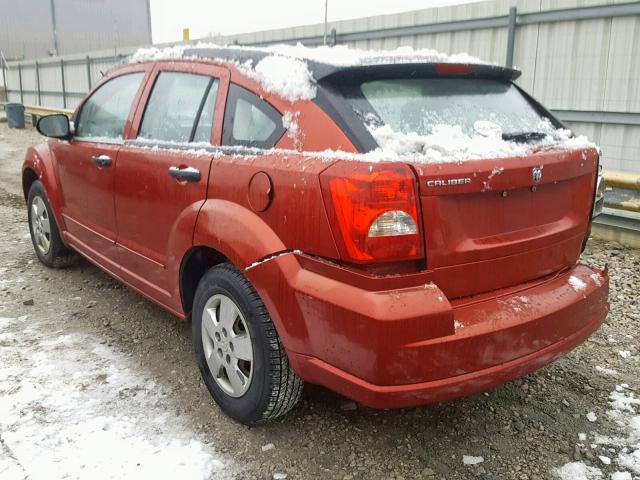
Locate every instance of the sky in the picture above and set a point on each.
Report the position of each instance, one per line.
(207, 17)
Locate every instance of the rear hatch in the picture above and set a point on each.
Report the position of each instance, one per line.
(505, 197)
(496, 223)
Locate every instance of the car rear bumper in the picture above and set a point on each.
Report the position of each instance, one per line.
(409, 346)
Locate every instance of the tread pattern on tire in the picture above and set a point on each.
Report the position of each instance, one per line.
(286, 387)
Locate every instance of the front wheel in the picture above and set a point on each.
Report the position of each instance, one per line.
(239, 353)
(45, 235)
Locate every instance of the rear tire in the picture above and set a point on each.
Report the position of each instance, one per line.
(45, 236)
(239, 353)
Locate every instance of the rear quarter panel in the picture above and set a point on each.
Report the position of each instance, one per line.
(295, 217)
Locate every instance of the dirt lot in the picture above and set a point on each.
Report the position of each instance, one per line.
(96, 382)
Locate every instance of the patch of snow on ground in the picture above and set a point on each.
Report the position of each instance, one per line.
(624, 353)
(592, 417)
(577, 284)
(471, 460)
(606, 371)
(621, 476)
(625, 412)
(577, 471)
(68, 410)
(604, 460)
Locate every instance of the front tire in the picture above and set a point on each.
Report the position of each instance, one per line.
(45, 235)
(239, 353)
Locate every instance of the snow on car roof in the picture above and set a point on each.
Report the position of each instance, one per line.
(292, 71)
(340, 55)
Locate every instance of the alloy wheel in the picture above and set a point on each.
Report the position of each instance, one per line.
(40, 225)
(227, 345)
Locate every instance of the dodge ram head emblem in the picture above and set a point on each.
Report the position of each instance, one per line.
(536, 174)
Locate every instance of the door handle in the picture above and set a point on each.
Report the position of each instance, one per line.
(188, 174)
(102, 160)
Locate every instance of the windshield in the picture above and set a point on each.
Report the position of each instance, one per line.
(417, 105)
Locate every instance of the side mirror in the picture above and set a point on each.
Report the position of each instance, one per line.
(54, 126)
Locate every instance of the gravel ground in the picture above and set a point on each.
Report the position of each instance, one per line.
(523, 430)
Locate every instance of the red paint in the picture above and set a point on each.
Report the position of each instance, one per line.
(260, 192)
(454, 68)
(382, 332)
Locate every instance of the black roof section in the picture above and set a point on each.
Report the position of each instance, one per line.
(382, 67)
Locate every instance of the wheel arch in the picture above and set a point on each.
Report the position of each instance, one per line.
(195, 263)
(224, 232)
(39, 165)
(28, 177)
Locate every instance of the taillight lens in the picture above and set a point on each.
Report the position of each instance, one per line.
(374, 211)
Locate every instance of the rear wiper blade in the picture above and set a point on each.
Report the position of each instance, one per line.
(523, 137)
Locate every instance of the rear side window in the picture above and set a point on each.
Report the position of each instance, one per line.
(180, 108)
(250, 121)
(105, 113)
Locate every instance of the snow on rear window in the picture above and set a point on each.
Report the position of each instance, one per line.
(418, 104)
(451, 120)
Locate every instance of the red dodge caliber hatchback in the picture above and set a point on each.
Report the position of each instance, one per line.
(280, 218)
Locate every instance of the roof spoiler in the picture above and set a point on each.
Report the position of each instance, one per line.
(330, 73)
(384, 67)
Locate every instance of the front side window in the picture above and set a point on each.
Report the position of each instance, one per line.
(250, 121)
(180, 108)
(105, 113)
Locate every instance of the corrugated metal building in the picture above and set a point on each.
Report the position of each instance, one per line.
(580, 58)
(41, 28)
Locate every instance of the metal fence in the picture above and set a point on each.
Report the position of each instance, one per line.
(580, 59)
(56, 82)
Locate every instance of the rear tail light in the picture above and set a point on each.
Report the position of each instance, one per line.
(374, 212)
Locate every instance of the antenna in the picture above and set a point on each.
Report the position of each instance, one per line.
(326, 8)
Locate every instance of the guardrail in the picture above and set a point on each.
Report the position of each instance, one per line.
(622, 191)
(37, 111)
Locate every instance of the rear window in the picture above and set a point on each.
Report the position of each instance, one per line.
(417, 105)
